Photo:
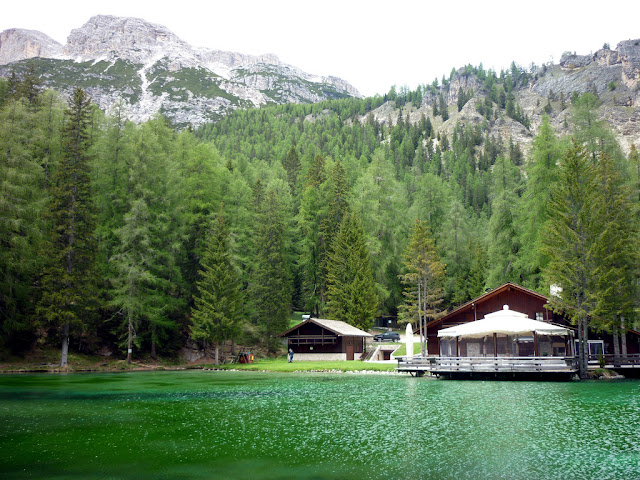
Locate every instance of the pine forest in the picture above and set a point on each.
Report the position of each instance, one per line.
(139, 238)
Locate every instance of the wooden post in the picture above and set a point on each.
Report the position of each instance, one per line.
(495, 345)
(457, 348)
(535, 344)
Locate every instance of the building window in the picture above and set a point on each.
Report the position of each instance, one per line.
(540, 316)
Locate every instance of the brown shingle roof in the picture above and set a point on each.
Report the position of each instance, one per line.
(336, 326)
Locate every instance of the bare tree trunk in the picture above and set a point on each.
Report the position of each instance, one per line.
(623, 339)
(65, 345)
(233, 347)
(420, 322)
(130, 339)
(217, 354)
(153, 342)
(616, 345)
(583, 361)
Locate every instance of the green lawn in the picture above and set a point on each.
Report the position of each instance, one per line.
(281, 365)
(402, 351)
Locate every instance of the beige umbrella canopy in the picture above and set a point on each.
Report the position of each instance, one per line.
(506, 322)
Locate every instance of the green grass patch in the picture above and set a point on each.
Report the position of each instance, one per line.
(402, 351)
(281, 365)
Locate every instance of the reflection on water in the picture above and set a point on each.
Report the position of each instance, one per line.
(197, 425)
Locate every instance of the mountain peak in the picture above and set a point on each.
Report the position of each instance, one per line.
(19, 44)
(134, 39)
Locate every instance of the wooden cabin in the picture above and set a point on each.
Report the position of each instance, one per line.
(318, 339)
(530, 303)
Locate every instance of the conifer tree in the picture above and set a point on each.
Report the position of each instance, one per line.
(270, 289)
(351, 289)
(503, 225)
(292, 165)
(545, 154)
(569, 240)
(22, 197)
(134, 283)
(217, 314)
(424, 280)
(616, 247)
(310, 218)
(68, 283)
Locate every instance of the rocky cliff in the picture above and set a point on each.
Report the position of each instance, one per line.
(148, 68)
(613, 75)
(17, 44)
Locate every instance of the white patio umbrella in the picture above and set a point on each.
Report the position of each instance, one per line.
(409, 340)
(506, 322)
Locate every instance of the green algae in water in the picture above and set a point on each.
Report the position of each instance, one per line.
(244, 425)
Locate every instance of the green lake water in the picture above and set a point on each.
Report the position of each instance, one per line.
(243, 425)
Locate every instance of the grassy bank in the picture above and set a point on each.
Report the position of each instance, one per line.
(281, 365)
(48, 361)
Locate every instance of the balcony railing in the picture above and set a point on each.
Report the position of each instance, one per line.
(445, 365)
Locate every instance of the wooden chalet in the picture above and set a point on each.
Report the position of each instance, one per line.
(518, 298)
(523, 352)
(319, 339)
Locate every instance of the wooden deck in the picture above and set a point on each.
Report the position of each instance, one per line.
(471, 367)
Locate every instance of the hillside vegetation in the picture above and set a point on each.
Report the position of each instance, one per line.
(219, 233)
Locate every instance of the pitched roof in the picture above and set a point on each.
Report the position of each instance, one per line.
(336, 326)
(502, 288)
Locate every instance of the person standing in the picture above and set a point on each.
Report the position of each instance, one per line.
(290, 355)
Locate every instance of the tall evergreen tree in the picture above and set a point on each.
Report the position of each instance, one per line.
(424, 280)
(569, 242)
(545, 154)
(616, 247)
(217, 314)
(503, 225)
(351, 289)
(270, 288)
(68, 284)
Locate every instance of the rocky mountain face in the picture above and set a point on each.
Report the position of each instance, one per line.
(145, 68)
(17, 44)
(613, 75)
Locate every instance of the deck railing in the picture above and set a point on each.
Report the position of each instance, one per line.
(632, 360)
(487, 364)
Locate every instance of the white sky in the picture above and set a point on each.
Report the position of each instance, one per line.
(371, 44)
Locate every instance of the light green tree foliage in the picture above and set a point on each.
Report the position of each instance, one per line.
(204, 180)
(503, 242)
(134, 283)
(22, 197)
(351, 288)
(150, 195)
(378, 197)
(217, 314)
(113, 155)
(424, 279)
(432, 201)
(570, 243)
(270, 289)
(616, 246)
(68, 283)
(542, 173)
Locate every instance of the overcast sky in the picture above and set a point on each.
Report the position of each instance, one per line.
(371, 44)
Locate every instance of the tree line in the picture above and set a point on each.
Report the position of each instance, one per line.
(137, 237)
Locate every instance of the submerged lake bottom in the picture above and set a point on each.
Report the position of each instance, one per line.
(248, 425)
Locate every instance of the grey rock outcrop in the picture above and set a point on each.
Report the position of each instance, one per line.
(18, 44)
(629, 53)
(163, 73)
